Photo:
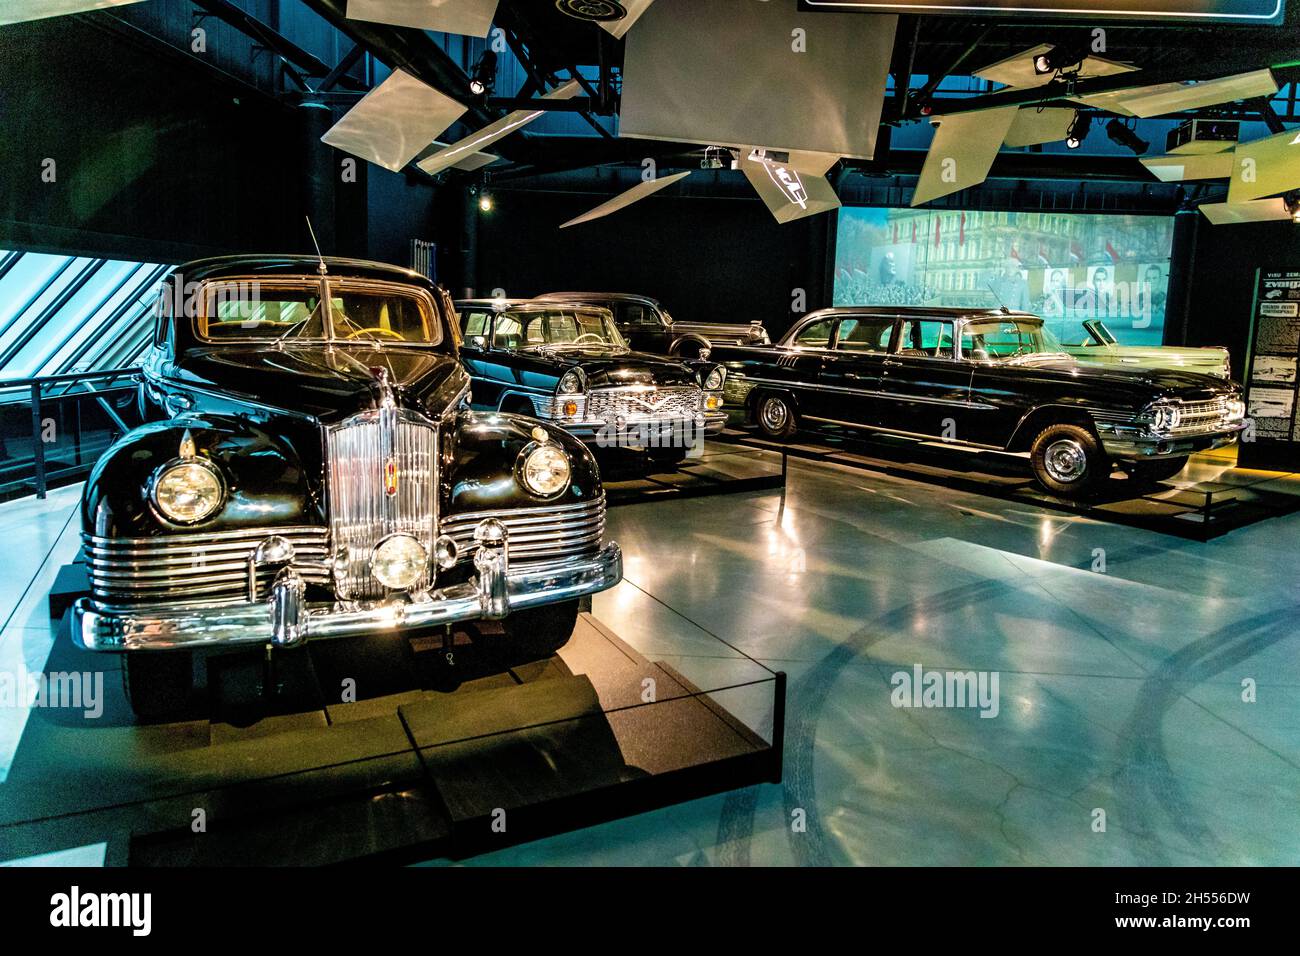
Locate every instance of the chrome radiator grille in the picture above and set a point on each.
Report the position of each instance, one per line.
(673, 402)
(1198, 417)
(535, 534)
(362, 510)
(198, 566)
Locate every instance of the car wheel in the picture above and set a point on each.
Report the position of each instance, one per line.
(1157, 470)
(158, 684)
(538, 632)
(1067, 460)
(775, 416)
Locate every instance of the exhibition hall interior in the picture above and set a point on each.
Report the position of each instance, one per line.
(649, 433)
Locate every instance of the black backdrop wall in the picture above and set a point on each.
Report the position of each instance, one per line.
(1221, 277)
(706, 259)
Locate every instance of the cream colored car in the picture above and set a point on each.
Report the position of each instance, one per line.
(1101, 347)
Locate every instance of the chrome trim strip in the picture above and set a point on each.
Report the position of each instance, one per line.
(867, 393)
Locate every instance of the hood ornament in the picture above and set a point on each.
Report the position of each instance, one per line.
(187, 449)
(385, 386)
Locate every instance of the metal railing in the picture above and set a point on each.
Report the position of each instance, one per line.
(99, 386)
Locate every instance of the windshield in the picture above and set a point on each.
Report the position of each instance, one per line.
(1008, 340)
(257, 311)
(556, 328)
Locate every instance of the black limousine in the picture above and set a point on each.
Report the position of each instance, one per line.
(568, 364)
(648, 327)
(309, 470)
(985, 378)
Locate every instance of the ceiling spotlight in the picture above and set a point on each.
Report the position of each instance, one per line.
(485, 202)
(1057, 58)
(1078, 130)
(1123, 135)
(484, 77)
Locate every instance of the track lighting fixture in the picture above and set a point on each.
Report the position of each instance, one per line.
(1123, 135)
(1078, 130)
(484, 77)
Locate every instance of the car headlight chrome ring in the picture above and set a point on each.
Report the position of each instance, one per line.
(187, 490)
(571, 382)
(544, 469)
(715, 379)
(399, 562)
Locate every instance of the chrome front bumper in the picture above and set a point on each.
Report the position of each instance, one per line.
(285, 620)
(1125, 446)
(630, 432)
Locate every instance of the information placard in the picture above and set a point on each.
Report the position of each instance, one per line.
(1272, 385)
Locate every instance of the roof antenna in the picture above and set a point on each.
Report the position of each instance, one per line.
(312, 232)
(327, 306)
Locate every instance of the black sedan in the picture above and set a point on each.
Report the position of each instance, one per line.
(982, 378)
(568, 364)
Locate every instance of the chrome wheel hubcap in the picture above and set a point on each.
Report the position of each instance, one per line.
(774, 414)
(1065, 460)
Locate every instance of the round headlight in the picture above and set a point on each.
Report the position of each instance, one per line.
(545, 470)
(188, 491)
(714, 381)
(570, 382)
(398, 561)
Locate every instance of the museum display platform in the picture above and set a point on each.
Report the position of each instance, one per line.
(723, 468)
(1210, 498)
(445, 753)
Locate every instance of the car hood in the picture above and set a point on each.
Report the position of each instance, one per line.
(606, 369)
(1157, 382)
(325, 383)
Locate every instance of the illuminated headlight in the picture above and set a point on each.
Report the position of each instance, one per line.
(544, 469)
(715, 379)
(571, 383)
(188, 491)
(1235, 408)
(1165, 417)
(398, 562)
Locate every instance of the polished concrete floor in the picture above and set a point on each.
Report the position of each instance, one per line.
(1122, 657)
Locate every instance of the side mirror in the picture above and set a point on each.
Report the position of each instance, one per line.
(476, 342)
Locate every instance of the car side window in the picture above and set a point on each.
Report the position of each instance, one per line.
(475, 323)
(870, 334)
(816, 336)
(507, 333)
(926, 338)
(636, 314)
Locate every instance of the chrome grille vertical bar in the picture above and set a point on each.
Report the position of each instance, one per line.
(361, 511)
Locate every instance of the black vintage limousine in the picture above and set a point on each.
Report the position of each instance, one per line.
(309, 470)
(983, 378)
(648, 327)
(566, 363)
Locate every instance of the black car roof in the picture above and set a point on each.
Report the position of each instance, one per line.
(500, 305)
(948, 312)
(613, 296)
(291, 264)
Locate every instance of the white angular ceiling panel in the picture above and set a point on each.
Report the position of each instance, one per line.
(392, 123)
(1265, 167)
(469, 17)
(626, 198)
(462, 149)
(1157, 101)
(788, 193)
(1018, 70)
(1235, 213)
(1187, 166)
(738, 72)
(18, 11)
(962, 151)
(1032, 126)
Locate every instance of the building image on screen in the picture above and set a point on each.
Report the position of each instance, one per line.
(1066, 267)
